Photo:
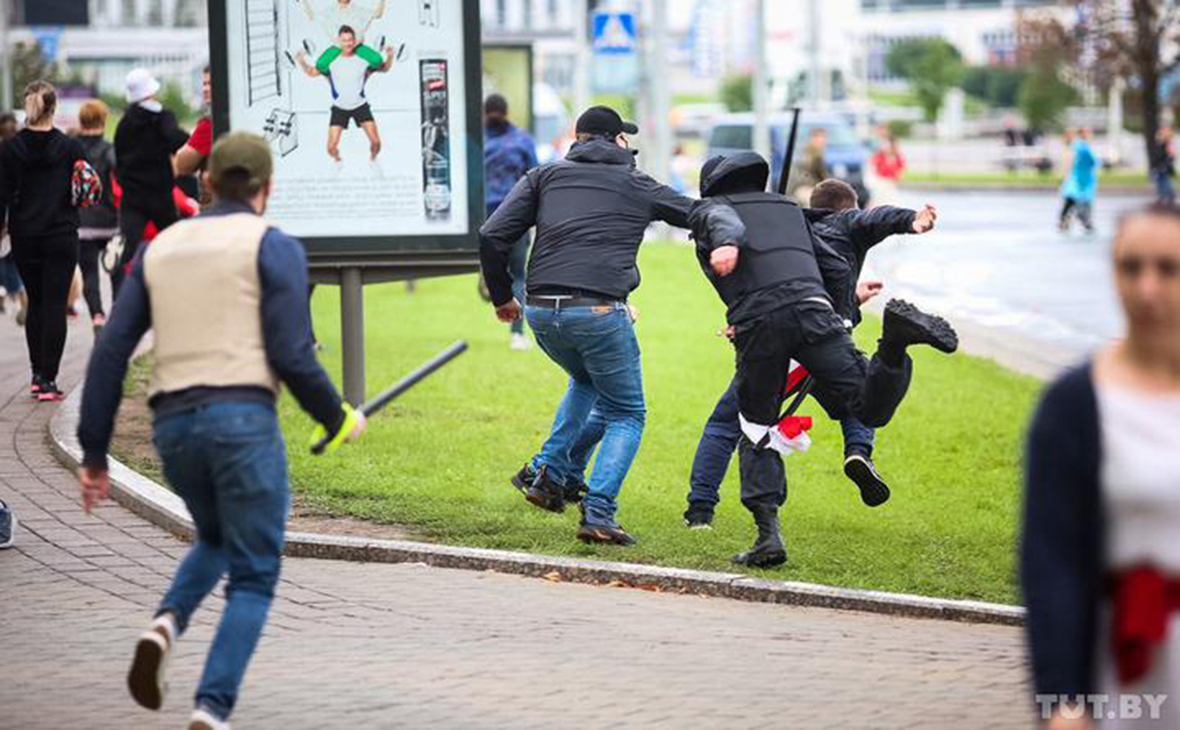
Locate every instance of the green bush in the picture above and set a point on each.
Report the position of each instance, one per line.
(737, 92)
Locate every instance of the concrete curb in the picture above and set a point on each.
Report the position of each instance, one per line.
(160, 506)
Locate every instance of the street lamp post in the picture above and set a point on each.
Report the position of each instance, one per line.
(5, 57)
(760, 81)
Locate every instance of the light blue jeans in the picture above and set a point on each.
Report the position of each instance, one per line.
(228, 462)
(596, 346)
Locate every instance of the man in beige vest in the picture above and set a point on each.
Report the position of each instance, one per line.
(217, 370)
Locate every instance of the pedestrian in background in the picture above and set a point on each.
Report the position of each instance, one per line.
(217, 373)
(145, 140)
(1081, 186)
(37, 178)
(1100, 562)
(14, 289)
(508, 153)
(99, 223)
(1067, 202)
(190, 160)
(1163, 167)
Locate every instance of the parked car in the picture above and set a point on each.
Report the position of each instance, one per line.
(846, 156)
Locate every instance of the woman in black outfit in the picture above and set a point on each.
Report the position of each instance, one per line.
(36, 173)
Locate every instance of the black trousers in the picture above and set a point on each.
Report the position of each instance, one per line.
(851, 385)
(134, 216)
(46, 265)
(89, 251)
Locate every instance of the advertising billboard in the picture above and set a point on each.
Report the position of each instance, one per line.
(373, 114)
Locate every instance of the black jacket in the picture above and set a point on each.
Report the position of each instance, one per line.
(591, 211)
(36, 169)
(851, 233)
(144, 144)
(101, 155)
(747, 172)
(1061, 546)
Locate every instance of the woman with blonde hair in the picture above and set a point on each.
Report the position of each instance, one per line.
(1100, 558)
(39, 172)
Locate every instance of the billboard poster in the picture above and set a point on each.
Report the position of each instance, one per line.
(371, 111)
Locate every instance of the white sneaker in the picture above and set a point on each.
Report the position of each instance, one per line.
(146, 678)
(202, 719)
(519, 342)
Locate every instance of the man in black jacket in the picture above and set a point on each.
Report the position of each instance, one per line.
(145, 140)
(849, 232)
(780, 311)
(590, 210)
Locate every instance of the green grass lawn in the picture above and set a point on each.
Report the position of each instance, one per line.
(1022, 179)
(439, 458)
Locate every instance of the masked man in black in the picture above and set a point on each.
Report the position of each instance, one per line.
(774, 287)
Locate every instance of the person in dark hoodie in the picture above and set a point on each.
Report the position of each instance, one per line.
(99, 222)
(508, 153)
(591, 211)
(36, 197)
(780, 310)
(145, 140)
(850, 232)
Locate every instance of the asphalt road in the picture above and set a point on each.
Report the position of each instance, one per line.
(997, 265)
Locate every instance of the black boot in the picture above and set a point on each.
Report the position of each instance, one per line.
(699, 516)
(768, 551)
(904, 324)
(574, 491)
(545, 493)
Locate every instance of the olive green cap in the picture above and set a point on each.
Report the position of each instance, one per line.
(241, 151)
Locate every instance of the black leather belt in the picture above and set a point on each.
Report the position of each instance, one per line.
(561, 301)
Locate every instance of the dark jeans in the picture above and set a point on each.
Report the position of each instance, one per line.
(721, 436)
(10, 276)
(229, 464)
(1165, 191)
(518, 268)
(89, 251)
(596, 346)
(46, 265)
(813, 334)
(133, 219)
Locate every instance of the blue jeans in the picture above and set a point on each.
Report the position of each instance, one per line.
(720, 438)
(1165, 191)
(228, 462)
(596, 346)
(10, 276)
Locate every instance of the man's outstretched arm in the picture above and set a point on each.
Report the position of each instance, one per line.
(718, 231)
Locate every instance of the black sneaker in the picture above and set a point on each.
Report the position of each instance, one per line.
(699, 516)
(905, 324)
(873, 489)
(7, 525)
(35, 387)
(524, 478)
(604, 535)
(546, 494)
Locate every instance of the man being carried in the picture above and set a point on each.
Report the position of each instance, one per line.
(780, 311)
(591, 211)
(347, 81)
(850, 232)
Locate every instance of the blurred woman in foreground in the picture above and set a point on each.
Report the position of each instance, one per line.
(1100, 555)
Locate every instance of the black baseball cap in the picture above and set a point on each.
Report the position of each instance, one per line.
(604, 121)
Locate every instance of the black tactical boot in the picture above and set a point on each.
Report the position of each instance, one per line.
(545, 493)
(768, 551)
(905, 324)
(604, 535)
(859, 468)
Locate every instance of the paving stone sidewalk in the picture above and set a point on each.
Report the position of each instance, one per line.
(353, 645)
